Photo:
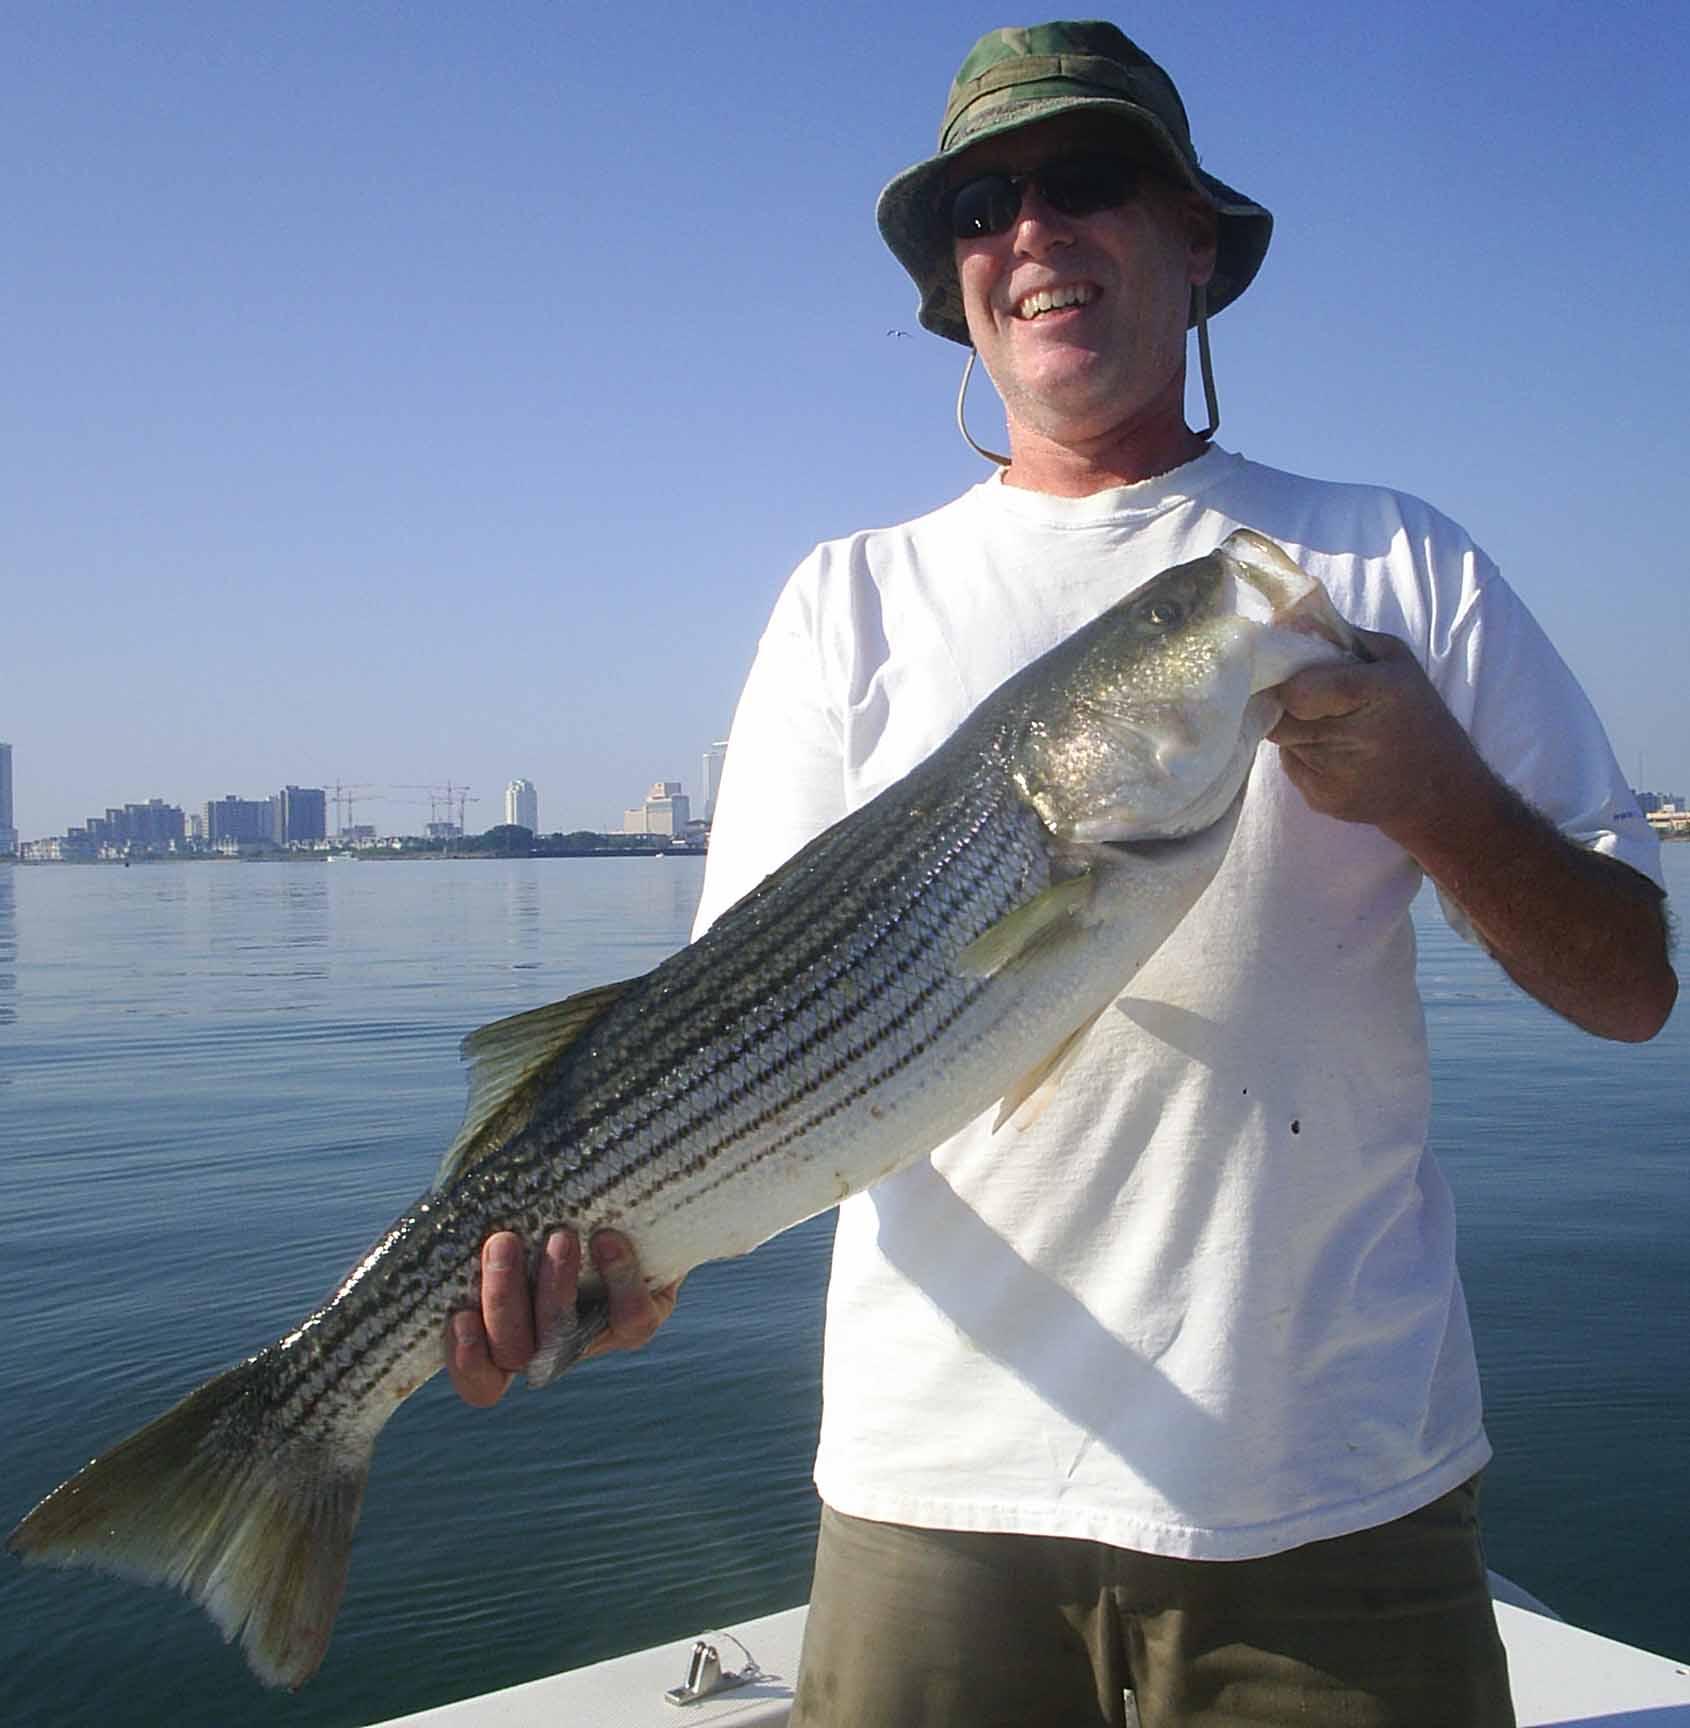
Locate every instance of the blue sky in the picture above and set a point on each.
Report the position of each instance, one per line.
(396, 394)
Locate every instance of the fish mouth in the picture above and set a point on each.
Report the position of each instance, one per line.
(1299, 605)
(1154, 848)
(1163, 846)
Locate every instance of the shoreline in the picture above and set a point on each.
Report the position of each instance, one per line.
(375, 855)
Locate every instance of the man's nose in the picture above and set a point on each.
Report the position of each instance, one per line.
(1039, 225)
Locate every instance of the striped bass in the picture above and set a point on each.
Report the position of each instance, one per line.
(941, 950)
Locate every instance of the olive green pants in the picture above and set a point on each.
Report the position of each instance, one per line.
(1387, 1628)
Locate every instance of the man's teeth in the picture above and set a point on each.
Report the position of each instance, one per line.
(1053, 299)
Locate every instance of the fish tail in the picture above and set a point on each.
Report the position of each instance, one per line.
(219, 1500)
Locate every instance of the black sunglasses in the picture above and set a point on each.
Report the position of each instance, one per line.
(1071, 185)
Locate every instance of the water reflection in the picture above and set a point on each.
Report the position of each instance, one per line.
(8, 955)
(524, 931)
(266, 930)
(163, 884)
(305, 914)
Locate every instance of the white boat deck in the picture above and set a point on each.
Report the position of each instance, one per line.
(1562, 1676)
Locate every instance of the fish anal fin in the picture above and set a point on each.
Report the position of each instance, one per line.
(505, 1056)
(564, 1342)
(1024, 1103)
(1019, 932)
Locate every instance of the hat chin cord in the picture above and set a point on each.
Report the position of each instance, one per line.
(962, 419)
(1200, 310)
(1200, 313)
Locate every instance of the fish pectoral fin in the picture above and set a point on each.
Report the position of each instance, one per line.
(506, 1056)
(1019, 932)
(565, 1342)
(1024, 1103)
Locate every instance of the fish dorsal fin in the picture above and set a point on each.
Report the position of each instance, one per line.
(1019, 931)
(506, 1055)
(1024, 1103)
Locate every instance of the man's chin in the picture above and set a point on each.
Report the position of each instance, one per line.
(1066, 404)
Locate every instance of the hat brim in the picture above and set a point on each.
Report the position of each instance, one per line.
(908, 216)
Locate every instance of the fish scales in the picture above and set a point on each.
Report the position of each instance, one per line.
(881, 997)
(854, 989)
(940, 949)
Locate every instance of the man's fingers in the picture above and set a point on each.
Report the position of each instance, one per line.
(664, 1300)
(484, 1350)
(1326, 693)
(555, 1284)
(1381, 647)
(635, 1311)
(471, 1369)
(1336, 689)
(507, 1308)
(633, 1314)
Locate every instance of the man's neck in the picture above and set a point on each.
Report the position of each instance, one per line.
(1079, 468)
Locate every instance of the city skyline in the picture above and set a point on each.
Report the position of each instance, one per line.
(338, 454)
(315, 813)
(667, 809)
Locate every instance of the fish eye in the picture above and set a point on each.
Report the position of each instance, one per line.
(1162, 613)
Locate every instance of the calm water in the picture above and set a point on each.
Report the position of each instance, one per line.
(218, 1081)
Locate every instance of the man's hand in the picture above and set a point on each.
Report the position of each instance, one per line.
(1583, 933)
(1373, 742)
(485, 1350)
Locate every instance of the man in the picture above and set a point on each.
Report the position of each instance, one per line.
(1172, 1392)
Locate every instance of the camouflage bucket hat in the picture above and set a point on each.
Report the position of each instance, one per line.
(1013, 78)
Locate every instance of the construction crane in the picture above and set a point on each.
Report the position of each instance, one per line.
(444, 795)
(342, 797)
(463, 796)
(433, 797)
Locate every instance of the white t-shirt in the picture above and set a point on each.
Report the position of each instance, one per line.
(1207, 1304)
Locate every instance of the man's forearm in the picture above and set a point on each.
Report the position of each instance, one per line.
(1373, 742)
(1583, 933)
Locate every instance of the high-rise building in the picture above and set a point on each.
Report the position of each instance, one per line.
(154, 824)
(666, 810)
(238, 819)
(8, 833)
(299, 813)
(714, 757)
(151, 827)
(522, 805)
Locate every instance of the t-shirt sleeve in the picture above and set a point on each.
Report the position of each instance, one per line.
(1536, 728)
(783, 780)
